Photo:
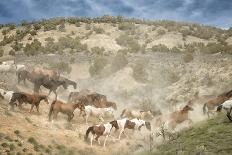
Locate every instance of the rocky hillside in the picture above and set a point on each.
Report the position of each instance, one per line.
(111, 34)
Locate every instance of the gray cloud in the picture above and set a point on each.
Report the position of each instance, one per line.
(210, 12)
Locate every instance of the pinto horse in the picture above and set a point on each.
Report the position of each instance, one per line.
(180, 116)
(213, 103)
(33, 99)
(68, 109)
(135, 124)
(227, 106)
(100, 130)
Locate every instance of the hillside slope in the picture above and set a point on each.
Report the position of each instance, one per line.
(111, 34)
(208, 137)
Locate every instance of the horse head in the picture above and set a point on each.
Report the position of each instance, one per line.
(148, 125)
(114, 124)
(187, 108)
(45, 98)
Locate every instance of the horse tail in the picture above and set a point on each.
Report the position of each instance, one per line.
(204, 108)
(90, 129)
(51, 110)
(123, 112)
(219, 108)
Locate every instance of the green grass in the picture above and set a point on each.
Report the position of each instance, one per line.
(213, 136)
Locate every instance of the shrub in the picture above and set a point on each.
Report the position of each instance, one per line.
(24, 23)
(88, 27)
(188, 57)
(12, 52)
(32, 141)
(126, 26)
(98, 50)
(98, 30)
(139, 72)
(160, 48)
(33, 49)
(160, 32)
(11, 26)
(37, 26)
(5, 31)
(119, 61)
(49, 39)
(129, 42)
(78, 24)
(62, 67)
(49, 26)
(97, 66)
(175, 50)
(33, 32)
(1, 52)
(7, 40)
(61, 27)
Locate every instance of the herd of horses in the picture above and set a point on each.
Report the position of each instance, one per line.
(97, 105)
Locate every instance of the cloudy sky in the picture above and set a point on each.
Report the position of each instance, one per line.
(210, 12)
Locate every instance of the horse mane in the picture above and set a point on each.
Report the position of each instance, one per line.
(226, 94)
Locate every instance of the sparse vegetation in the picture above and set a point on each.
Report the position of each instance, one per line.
(97, 66)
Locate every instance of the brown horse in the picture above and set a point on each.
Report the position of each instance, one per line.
(180, 116)
(68, 109)
(75, 96)
(213, 103)
(33, 99)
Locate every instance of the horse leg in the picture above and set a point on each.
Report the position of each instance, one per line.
(32, 106)
(55, 113)
(122, 131)
(228, 114)
(105, 140)
(37, 107)
(91, 140)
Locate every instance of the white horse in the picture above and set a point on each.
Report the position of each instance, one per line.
(7, 95)
(134, 124)
(227, 106)
(98, 112)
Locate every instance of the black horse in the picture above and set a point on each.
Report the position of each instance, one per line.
(49, 83)
(69, 82)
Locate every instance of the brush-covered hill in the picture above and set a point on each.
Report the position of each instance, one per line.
(212, 136)
(109, 34)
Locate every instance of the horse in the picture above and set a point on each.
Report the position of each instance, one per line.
(75, 96)
(33, 99)
(180, 116)
(97, 112)
(24, 75)
(69, 82)
(211, 104)
(135, 124)
(7, 95)
(137, 114)
(227, 106)
(100, 130)
(68, 109)
(50, 84)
